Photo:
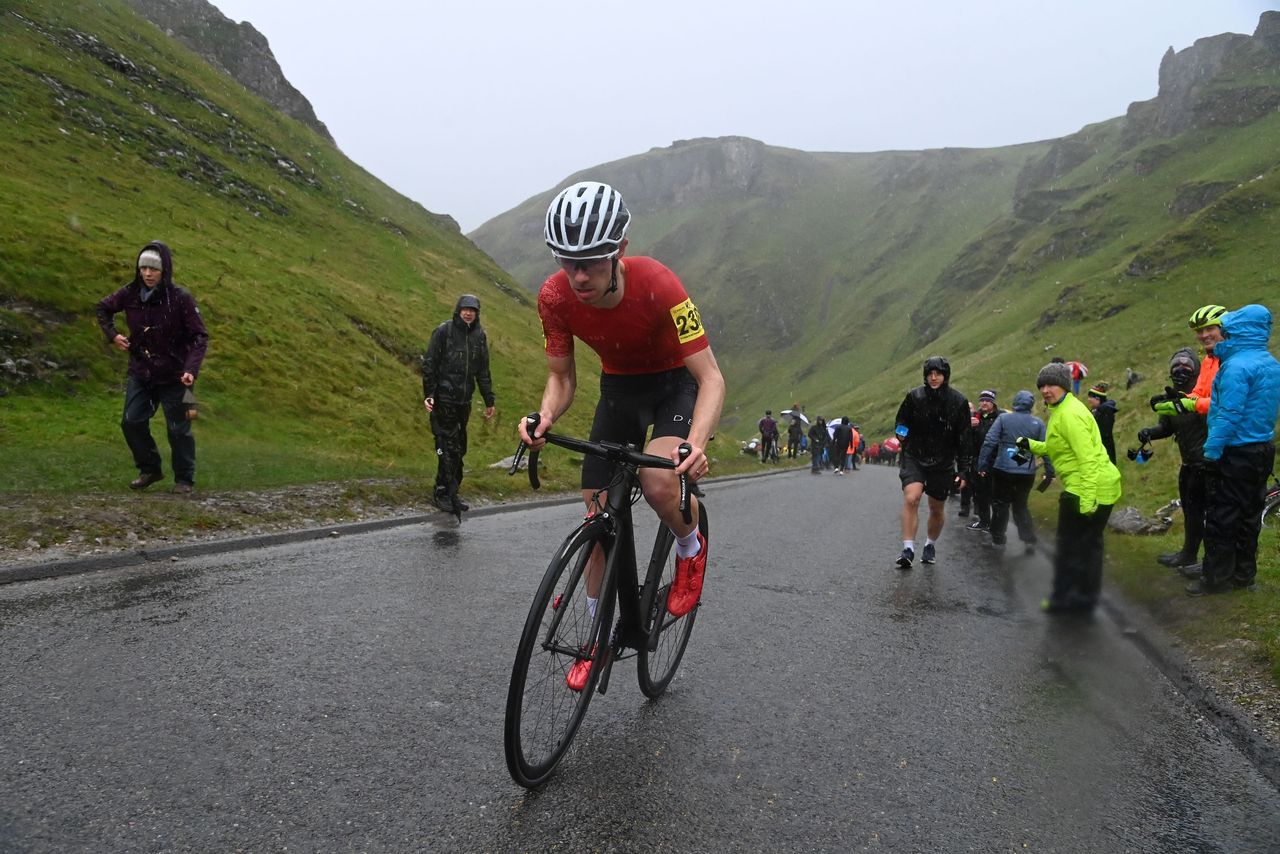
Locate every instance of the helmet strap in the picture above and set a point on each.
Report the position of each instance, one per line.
(613, 276)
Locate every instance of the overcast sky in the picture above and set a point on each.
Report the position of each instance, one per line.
(472, 107)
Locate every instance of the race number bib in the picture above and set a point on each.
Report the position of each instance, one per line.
(688, 322)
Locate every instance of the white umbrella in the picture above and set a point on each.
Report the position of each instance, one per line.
(788, 413)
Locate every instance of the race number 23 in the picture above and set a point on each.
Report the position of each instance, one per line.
(687, 320)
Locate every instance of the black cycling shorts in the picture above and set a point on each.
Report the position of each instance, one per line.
(630, 404)
(937, 480)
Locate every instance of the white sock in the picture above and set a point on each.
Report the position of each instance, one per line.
(909, 544)
(688, 545)
(591, 606)
(928, 541)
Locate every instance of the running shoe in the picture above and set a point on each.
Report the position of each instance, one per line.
(929, 555)
(686, 590)
(977, 525)
(905, 559)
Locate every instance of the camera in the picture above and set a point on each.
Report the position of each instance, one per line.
(1141, 454)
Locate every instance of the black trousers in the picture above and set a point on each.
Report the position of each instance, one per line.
(1192, 483)
(1235, 491)
(449, 425)
(140, 403)
(1077, 562)
(1009, 495)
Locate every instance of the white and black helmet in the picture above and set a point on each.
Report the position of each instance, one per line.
(585, 221)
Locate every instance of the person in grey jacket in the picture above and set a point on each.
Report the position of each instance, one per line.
(456, 361)
(1011, 473)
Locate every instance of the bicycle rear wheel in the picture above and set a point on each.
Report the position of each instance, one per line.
(668, 636)
(1271, 512)
(543, 712)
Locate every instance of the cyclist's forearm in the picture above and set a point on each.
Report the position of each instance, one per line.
(706, 412)
(558, 394)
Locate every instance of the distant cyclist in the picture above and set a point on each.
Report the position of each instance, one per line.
(657, 367)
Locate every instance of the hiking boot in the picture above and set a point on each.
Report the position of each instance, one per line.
(182, 488)
(1200, 588)
(1192, 572)
(905, 559)
(145, 479)
(459, 504)
(576, 678)
(977, 525)
(686, 589)
(929, 555)
(1176, 560)
(444, 502)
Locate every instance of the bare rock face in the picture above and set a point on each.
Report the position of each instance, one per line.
(238, 49)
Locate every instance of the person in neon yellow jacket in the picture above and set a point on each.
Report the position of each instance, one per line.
(1091, 487)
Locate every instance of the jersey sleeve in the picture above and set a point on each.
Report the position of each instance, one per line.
(553, 311)
(686, 320)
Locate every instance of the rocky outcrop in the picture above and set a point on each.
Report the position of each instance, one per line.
(1208, 84)
(238, 49)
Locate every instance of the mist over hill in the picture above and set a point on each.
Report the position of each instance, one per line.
(826, 278)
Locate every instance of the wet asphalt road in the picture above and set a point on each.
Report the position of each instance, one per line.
(347, 695)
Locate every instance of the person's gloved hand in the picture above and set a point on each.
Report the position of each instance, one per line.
(1144, 436)
(1177, 406)
(1022, 443)
(1088, 506)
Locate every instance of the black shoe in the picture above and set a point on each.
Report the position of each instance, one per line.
(1029, 548)
(1192, 573)
(1176, 560)
(929, 555)
(905, 559)
(964, 511)
(459, 504)
(1200, 588)
(444, 502)
(977, 525)
(145, 479)
(1240, 584)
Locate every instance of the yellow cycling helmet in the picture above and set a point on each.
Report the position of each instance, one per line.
(1206, 315)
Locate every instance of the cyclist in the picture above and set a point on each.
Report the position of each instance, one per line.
(1206, 323)
(933, 424)
(657, 369)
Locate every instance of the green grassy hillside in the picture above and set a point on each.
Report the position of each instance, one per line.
(320, 285)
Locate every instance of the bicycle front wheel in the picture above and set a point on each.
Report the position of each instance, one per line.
(668, 636)
(1271, 512)
(543, 712)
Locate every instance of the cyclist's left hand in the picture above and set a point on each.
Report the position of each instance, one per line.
(695, 466)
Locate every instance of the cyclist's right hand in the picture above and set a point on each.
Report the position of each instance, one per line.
(534, 442)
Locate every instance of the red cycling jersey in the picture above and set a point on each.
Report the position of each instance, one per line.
(655, 327)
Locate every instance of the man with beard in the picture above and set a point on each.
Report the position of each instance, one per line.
(933, 426)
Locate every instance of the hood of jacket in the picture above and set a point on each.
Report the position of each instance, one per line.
(166, 260)
(1248, 328)
(1023, 401)
(466, 301)
(1109, 405)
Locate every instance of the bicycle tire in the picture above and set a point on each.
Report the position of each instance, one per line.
(668, 636)
(543, 714)
(1271, 512)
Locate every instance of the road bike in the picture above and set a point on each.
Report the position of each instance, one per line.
(543, 712)
(1271, 507)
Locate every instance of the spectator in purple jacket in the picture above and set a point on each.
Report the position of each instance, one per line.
(166, 345)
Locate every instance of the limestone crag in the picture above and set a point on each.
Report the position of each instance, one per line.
(238, 49)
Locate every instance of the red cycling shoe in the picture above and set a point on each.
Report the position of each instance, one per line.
(686, 590)
(576, 678)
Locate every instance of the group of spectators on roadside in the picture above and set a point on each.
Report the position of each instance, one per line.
(1222, 410)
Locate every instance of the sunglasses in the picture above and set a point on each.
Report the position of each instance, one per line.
(585, 264)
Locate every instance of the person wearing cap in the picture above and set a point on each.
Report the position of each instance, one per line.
(1104, 412)
(768, 437)
(167, 342)
(1239, 450)
(1190, 429)
(1010, 475)
(978, 484)
(1090, 489)
(933, 425)
(456, 361)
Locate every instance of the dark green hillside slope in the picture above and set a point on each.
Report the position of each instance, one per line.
(319, 284)
(827, 278)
